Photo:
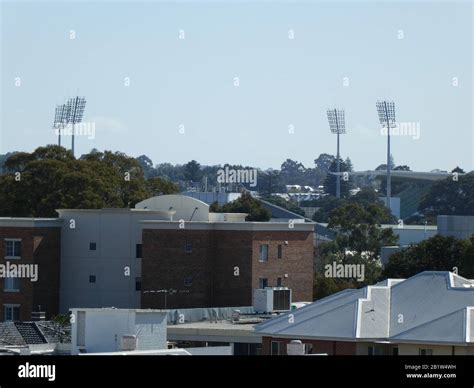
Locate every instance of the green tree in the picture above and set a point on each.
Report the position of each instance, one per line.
(450, 197)
(192, 171)
(438, 253)
(331, 180)
(244, 204)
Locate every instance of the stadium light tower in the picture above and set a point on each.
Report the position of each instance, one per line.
(337, 125)
(386, 112)
(60, 119)
(75, 109)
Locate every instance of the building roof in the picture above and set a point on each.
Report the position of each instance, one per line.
(431, 307)
(29, 222)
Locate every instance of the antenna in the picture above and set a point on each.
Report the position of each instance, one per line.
(337, 125)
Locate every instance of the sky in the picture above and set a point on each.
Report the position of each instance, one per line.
(242, 82)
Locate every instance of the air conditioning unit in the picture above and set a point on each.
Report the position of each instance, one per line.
(128, 343)
(295, 348)
(272, 299)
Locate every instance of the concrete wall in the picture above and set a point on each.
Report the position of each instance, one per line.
(104, 329)
(456, 226)
(116, 233)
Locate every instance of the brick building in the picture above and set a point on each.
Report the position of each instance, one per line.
(34, 244)
(216, 264)
(94, 258)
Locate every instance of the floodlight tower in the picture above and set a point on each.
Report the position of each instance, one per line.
(386, 112)
(337, 125)
(60, 119)
(75, 108)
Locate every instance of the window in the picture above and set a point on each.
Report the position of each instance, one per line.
(91, 278)
(11, 312)
(138, 251)
(264, 252)
(188, 248)
(262, 282)
(279, 282)
(280, 251)
(13, 248)
(188, 281)
(275, 350)
(370, 351)
(12, 284)
(138, 284)
(426, 352)
(92, 246)
(395, 351)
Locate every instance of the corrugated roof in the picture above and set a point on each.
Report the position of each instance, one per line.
(430, 307)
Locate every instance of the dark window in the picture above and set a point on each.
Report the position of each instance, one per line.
(11, 313)
(12, 284)
(426, 352)
(188, 281)
(275, 351)
(370, 351)
(91, 278)
(394, 351)
(279, 283)
(280, 251)
(13, 248)
(92, 246)
(138, 284)
(262, 282)
(138, 251)
(188, 248)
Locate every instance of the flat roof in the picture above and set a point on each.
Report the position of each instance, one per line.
(224, 225)
(30, 222)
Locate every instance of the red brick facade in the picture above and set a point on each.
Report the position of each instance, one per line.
(332, 348)
(224, 266)
(41, 246)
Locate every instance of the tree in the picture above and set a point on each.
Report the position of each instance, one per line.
(292, 171)
(146, 165)
(438, 253)
(192, 171)
(331, 180)
(269, 182)
(160, 186)
(402, 168)
(450, 197)
(51, 178)
(324, 162)
(358, 228)
(245, 204)
(458, 170)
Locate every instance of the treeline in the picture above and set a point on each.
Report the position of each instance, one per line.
(36, 184)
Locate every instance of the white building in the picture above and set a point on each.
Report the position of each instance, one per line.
(113, 330)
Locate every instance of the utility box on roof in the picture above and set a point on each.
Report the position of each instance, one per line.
(272, 299)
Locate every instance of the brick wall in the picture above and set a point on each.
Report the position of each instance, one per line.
(332, 348)
(39, 246)
(296, 262)
(217, 257)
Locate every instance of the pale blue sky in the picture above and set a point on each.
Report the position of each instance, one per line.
(283, 81)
